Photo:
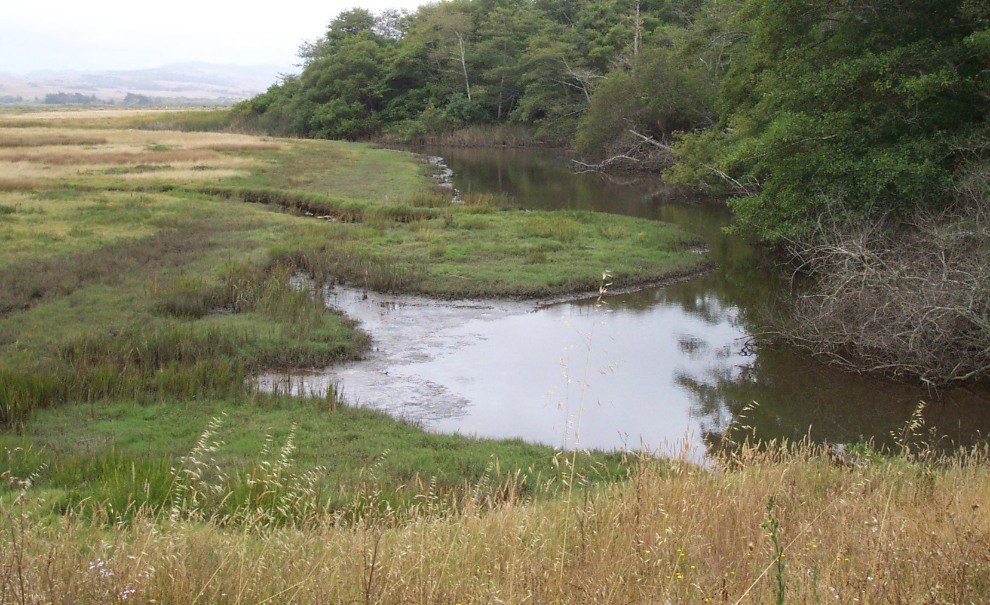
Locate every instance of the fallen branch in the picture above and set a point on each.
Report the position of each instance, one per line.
(605, 164)
(907, 303)
(652, 141)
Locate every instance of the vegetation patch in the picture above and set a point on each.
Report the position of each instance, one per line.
(781, 524)
(160, 300)
(7, 140)
(95, 157)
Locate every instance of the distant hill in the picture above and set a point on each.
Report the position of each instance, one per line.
(176, 82)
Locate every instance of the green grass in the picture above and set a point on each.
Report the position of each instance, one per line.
(350, 171)
(138, 297)
(122, 452)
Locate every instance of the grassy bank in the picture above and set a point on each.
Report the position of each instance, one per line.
(775, 524)
(121, 459)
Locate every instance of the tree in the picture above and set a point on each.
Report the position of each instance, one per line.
(849, 107)
(667, 89)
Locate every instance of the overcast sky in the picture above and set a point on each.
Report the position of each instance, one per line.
(119, 34)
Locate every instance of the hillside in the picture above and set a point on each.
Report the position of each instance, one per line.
(174, 82)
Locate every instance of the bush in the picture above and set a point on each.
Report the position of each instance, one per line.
(910, 303)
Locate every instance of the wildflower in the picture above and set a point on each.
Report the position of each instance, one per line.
(101, 568)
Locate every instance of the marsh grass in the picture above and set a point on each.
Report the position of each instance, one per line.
(227, 147)
(347, 262)
(325, 207)
(556, 226)
(487, 200)
(346, 479)
(429, 199)
(275, 326)
(217, 120)
(28, 282)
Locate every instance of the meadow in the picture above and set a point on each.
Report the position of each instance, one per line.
(148, 270)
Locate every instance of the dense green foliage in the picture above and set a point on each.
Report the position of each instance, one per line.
(800, 108)
(845, 109)
(530, 62)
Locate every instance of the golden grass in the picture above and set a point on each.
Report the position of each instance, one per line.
(130, 138)
(889, 531)
(101, 157)
(170, 157)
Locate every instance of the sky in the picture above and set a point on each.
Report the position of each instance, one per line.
(118, 34)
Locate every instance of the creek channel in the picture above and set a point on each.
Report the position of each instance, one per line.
(660, 369)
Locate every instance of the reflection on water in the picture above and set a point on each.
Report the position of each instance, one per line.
(646, 370)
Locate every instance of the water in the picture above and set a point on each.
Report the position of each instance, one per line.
(658, 369)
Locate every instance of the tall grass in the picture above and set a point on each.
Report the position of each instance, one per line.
(326, 207)
(23, 390)
(783, 521)
(24, 284)
(349, 262)
(216, 120)
(177, 358)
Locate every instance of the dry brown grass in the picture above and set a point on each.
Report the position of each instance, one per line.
(242, 146)
(901, 530)
(70, 115)
(17, 184)
(117, 138)
(41, 140)
(176, 157)
(114, 158)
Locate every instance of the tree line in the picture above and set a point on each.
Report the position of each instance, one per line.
(794, 106)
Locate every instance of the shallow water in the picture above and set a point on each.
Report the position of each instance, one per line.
(658, 369)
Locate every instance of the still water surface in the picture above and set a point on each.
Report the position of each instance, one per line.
(658, 369)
